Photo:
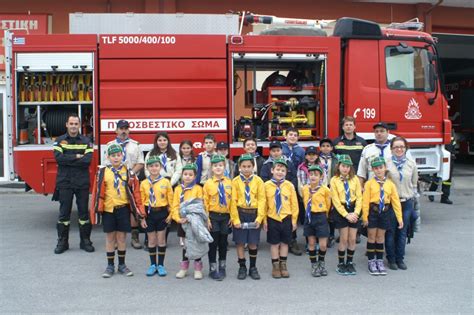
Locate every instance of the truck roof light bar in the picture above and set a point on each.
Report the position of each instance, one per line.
(411, 25)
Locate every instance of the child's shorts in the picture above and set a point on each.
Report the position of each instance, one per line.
(341, 222)
(279, 232)
(246, 236)
(379, 220)
(220, 222)
(318, 226)
(117, 221)
(156, 219)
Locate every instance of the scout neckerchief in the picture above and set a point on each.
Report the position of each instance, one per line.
(382, 194)
(164, 160)
(399, 163)
(221, 189)
(347, 190)
(184, 189)
(278, 204)
(310, 201)
(290, 148)
(117, 178)
(382, 147)
(152, 192)
(123, 144)
(247, 181)
(326, 158)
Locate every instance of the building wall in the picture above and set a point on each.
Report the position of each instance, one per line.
(442, 19)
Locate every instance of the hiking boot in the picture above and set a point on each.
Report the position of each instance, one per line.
(63, 238)
(431, 198)
(284, 269)
(446, 201)
(123, 269)
(392, 265)
(276, 272)
(198, 270)
(381, 267)
(401, 265)
(373, 268)
(350, 269)
(109, 271)
(330, 242)
(85, 234)
(183, 271)
(151, 271)
(242, 274)
(322, 268)
(295, 248)
(315, 270)
(213, 272)
(253, 273)
(135, 239)
(222, 266)
(161, 271)
(341, 269)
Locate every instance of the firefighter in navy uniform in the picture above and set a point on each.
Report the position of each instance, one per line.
(73, 153)
(446, 184)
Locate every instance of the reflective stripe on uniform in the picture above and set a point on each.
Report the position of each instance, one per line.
(88, 151)
(59, 149)
(75, 146)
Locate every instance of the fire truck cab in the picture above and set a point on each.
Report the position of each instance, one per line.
(190, 82)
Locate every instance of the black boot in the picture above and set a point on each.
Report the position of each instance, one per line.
(85, 234)
(433, 187)
(446, 190)
(63, 238)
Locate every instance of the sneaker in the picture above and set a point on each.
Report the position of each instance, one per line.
(253, 273)
(322, 268)
(381, 267)
(198, 270)
(161, 271)
(109, 271)
(242, 273)
(222, 266)
(151, 271)
(213, 272)
(446, 201)
(315, 270)
(341, 269)
(401, 265)
(392, 266)
(284, 269)
(350, 269)
(123, 269)
(373, 270)
(431, 198)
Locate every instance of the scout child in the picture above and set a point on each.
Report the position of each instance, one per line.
(302, 174)
(247, 213)
(317, 198)
(282, 217)
(380, 195)
(187, 190)
(291, 148)
(203, 160)
(250, 147)
(346, 196)
(217, 193)
(116, 195)
(157, 197)
(223, 149)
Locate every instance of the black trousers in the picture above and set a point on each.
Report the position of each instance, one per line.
(66, 196)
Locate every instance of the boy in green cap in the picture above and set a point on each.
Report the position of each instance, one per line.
(317, 199)
(217, 192)
(116, 194)
(157, 197)
(282, 216)
(380, 195)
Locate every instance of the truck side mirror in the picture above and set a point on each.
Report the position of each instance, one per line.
(403, 48)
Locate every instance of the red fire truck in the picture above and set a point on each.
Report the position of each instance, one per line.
(228, 84)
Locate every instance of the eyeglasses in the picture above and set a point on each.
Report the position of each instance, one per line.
(399, 147)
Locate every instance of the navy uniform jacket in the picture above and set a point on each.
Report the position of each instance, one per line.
(353, 148)
(73, 172)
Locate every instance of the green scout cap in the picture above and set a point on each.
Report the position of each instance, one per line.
(190, 166)
(153, 159)
(245, 157)
(315, 168)
(345, 159)
(114, 148)
(377, 161)
(280, 161)
(216, 158)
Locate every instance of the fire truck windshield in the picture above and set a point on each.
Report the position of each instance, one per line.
(409, 70)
